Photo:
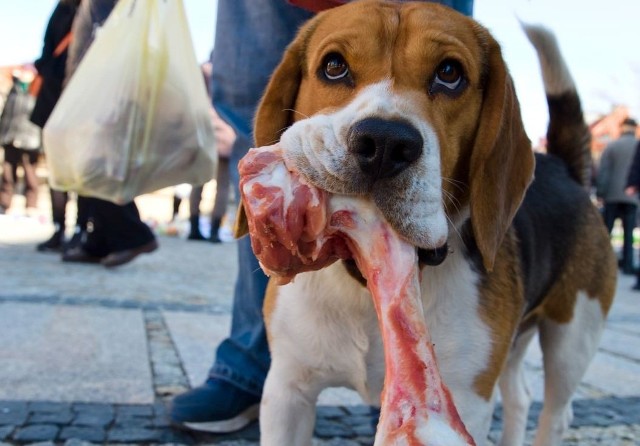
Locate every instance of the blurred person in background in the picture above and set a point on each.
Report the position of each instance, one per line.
(20, 139)
(51, 75)
(632, 189)
(225, 137)
(613, 171)
(115, 233)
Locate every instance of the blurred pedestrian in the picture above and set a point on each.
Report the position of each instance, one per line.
(115, 233)
(611, 182)
(20, 139)
(632, 189)
(225, 137)
(51, 75)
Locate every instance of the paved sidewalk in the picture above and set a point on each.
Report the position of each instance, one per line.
(90, 355)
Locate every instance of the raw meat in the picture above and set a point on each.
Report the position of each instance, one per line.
(295, 227)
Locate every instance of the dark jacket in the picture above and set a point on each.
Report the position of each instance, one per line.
(50, 67)
(614, 169)
(91, 14)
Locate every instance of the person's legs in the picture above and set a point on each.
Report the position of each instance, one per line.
(194, 213)
(9, 175)
(223, 183)
(243, 358)
(29, 163)
(628, 225)
(176, 206)
(84, 208)
(609, 214)
(126, 235)
(58, 213)
(628, 216)
(91, 245)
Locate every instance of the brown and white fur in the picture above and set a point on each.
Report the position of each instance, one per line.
(525, 255)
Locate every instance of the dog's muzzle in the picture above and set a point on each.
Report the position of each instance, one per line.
(384, 148)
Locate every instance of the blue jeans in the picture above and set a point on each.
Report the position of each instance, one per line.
(251, 36)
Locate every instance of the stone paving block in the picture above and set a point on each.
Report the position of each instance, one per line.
(175, 437)
(93, 419)
(330, 412)
(37, 432)
(133, 435)
(196, 337)
(135, 411)
(14, 413)
(62, 417)
(94, 408)
(327, 428)
(62, 353)
(83, 433)
(48, 407)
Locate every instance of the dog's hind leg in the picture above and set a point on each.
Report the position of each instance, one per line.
(514, 392)
(567, 351)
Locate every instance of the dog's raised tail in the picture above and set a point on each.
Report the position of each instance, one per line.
(568, 135)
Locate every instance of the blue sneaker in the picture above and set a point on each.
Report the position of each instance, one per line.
(216, 406)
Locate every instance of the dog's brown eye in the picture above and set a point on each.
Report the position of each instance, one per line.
(335, 67)
(449, 77)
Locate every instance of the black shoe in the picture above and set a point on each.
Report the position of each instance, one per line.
(54, 244)
(125, 256)
(216, 406)
(215, 226)
(194, 233)
(196, 236)
(75, 241)
(79, 255)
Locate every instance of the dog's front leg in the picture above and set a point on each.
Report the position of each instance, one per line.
(288, 408)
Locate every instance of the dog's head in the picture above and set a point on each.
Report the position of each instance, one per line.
(410, 104)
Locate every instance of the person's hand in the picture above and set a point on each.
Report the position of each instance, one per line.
(224, 134)
(631, 190)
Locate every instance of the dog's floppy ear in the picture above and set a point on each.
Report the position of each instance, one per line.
(502, 161)
(276, 108)
(275, 111)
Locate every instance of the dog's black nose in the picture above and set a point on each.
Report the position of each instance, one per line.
(384, 148)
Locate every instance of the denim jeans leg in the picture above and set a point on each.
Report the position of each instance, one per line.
(243, 358)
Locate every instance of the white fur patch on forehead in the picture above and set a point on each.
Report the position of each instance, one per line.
(380, 101)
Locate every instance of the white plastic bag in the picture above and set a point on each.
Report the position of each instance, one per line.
(134, 117)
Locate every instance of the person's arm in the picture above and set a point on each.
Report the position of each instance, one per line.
(224, 134)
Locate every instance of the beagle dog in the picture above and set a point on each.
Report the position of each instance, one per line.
(411, 104)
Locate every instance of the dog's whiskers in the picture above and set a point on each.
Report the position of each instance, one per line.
(297, 112)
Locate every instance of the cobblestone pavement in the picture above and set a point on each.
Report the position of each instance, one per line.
(92, 356)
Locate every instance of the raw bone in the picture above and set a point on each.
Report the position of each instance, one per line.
(296, 227)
